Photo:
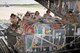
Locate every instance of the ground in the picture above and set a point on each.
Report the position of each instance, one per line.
(6, 11)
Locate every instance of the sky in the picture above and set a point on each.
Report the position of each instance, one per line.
(18, 2)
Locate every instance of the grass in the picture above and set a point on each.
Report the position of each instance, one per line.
(31, 6)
